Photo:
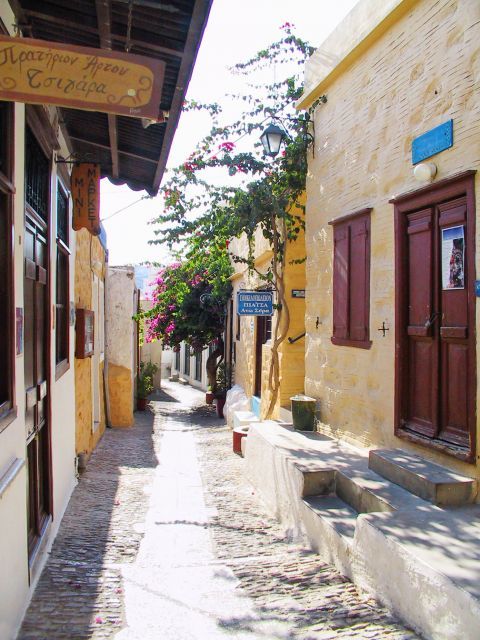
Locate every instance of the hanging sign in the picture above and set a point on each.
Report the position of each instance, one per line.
(42, 72)
(255, 303)
(85, 188)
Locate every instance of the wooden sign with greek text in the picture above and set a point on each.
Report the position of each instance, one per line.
(41, 72)
(85, 187)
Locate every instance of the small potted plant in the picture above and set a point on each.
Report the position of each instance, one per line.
(145, 384)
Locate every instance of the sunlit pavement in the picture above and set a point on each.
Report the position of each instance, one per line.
(165, 539)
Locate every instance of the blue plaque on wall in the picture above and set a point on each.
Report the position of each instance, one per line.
(432, 142)
(255, 303)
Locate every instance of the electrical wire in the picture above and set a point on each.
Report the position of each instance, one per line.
(123, 208)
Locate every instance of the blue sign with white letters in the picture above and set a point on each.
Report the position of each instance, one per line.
(255, 303)
(432, 142)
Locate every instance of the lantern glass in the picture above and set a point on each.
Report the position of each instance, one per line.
(271, 139)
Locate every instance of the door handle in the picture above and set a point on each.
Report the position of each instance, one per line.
(432, 319)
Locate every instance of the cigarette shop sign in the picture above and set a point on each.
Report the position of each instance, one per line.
(42, 72)
(255, 303)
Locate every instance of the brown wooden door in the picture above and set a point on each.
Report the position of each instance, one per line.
(36, 386)
(435, 374)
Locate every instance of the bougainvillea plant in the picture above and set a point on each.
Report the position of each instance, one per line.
(189, 299)
(265, 192)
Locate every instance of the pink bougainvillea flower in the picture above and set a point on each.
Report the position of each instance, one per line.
(226, 146)
(99, 620)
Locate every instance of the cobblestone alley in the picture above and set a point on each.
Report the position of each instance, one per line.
(165, 539)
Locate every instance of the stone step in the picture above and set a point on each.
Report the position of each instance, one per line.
(336, 513)
(425, 479)
(243, 419)
(359, 487)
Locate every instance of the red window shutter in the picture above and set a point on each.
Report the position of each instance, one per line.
(359, 279)
(341, 274)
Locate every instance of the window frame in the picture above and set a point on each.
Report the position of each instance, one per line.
(8, 408)
(347, 222)
(62, 249)
(186, 360)
(198, 365)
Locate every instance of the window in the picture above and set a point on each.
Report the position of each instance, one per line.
(37, 172)
(177, 360)
(186, 360)
(62, 311)
(198, 365)
(6, 273)
(351, 280)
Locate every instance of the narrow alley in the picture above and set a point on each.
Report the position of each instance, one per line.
(165, 539)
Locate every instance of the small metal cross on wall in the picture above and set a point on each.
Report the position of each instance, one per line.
(383, 328)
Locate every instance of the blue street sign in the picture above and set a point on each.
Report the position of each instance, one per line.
(432, 142)
(255, 303)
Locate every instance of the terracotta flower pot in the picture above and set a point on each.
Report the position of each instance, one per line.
(141, 404)
(209, 397)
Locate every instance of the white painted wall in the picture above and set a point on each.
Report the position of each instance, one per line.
(119, 326)
(190, 378)
(14, 575)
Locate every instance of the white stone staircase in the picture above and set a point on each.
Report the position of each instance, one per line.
(404, 529)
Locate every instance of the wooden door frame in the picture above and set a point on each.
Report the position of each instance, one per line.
(37, 120)
(462, 184)
(7, 187)
(257, 382)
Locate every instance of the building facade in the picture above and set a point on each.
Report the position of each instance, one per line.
(249, 338)
(90, 273)
(392, 249)
(42, 309)
(122, 345)
(37, 403)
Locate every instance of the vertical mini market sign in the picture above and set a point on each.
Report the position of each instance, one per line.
(42, 72)
(85, 188)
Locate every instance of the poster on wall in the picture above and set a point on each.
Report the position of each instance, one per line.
(453, 258)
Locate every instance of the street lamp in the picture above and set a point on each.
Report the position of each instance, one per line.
(271, 139)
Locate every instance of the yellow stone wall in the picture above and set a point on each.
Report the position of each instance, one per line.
(424, 70)
(291, 356)
(120, 392)
(89, 256)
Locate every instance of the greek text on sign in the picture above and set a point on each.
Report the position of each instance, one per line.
(255, 303)
(85, 188)
(42, 72)
(432, 142)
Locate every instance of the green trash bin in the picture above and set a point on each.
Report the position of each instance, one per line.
(303, 412)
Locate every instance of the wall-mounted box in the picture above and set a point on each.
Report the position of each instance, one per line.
(84, 329)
